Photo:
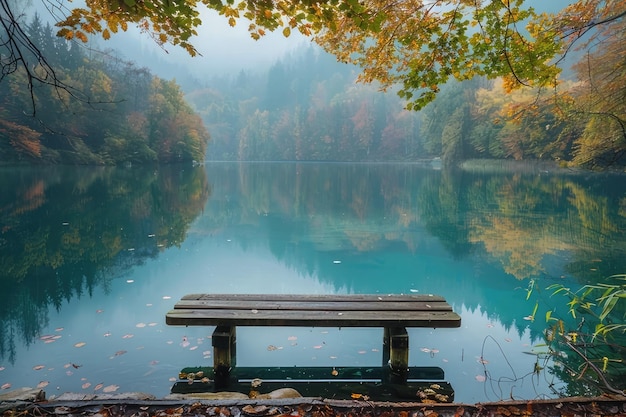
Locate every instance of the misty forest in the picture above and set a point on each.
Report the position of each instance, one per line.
(88, 106)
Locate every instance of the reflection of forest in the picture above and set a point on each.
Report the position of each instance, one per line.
(67, 230)
(383, 220)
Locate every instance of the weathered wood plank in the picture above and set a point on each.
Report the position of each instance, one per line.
(308, 318)
(316, 297)
(326, 305)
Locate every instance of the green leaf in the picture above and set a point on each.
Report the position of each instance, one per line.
(286, 32)
(130, 3)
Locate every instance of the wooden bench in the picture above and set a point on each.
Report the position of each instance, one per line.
(394, 313)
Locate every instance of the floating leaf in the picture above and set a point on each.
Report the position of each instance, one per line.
(42, 384)
(38, 367)
(128, 336)
(80, 344)
(140, 325)
(110, 388)
(480, 378)
(5, 386)
(86, 385)
(97, 387)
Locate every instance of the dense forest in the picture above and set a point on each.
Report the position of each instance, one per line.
(308, 107)
(98, 109)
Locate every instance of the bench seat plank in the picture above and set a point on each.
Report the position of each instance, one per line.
(355, 310)
(313, 306)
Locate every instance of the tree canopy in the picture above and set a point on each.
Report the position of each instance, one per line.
(415, 43)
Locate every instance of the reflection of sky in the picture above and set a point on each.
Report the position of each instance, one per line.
(145, 358)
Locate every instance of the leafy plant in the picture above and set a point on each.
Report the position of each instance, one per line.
(596, 336)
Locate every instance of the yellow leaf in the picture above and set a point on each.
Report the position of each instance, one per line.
(81, 36)
(232, 21)
(286, 32)
(268, 14)
(106, 34)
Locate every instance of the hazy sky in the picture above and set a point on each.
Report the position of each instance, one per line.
(225, 48)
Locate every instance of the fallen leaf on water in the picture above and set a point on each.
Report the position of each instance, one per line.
(110, 388)
(119, 353)
(140, 325)
(334, 372)
(356, 396)
(107, 334)
(424, 349)
(166, 297)
(481, 378)
(97, 387)
(292, 338)
(271, 348)
(99, 311)
(45, 337)
(185, 342)
(2, 368)
(128, 336)
(362, 352)
(42, 384)
(5, 386)
(86, 385)
(58, 329)
(152, 324)
(80, 344)
(193, 348)
(317, 347)
(38, 367)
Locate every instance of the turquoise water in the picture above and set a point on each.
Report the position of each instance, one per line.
(93, 258)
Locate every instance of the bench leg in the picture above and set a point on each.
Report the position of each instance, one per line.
(396, 355)
(224, 354)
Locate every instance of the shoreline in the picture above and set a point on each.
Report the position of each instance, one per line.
(28, 402)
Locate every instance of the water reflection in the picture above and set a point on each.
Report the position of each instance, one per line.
(68, 230)
(477, 238)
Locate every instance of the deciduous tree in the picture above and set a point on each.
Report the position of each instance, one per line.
(419, 44)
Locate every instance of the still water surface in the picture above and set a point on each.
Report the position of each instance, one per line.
(92, 258)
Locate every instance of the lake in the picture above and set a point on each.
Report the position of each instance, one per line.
(92, 258)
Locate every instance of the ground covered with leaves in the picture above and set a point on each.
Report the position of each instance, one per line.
(141, 405)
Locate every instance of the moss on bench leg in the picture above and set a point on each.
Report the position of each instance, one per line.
(396, 354)
(224, 354)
